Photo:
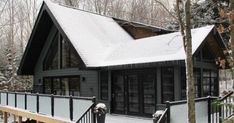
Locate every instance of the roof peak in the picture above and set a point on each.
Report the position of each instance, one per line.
(108, 16)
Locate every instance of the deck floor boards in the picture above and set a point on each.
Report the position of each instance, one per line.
(114, 118)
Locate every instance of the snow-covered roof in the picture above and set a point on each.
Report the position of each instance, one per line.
(167, 47)
(100, 41)
(92, 35)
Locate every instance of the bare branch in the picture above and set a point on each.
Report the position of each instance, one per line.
(159, 2)
(178, 2)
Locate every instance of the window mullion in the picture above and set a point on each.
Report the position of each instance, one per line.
(60, 52)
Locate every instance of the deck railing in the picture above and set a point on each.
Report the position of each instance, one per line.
(88, 116)
(163, 117)
(67, 107)
(208, 110)
(221, 108)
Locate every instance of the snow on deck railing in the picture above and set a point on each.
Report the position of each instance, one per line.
(67, 107)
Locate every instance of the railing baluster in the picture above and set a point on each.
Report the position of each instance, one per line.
(229, 107)
(216, 114)
(226, 108)
(230, 102)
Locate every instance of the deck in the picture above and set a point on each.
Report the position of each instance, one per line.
(114, 118)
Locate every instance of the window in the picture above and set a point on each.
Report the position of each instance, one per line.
(62, 85)
(210, 83)
(167, 74)
(197, 82)
(69, 55)
(207, 55)
(51, 60)
(47, 86)
(197, 56)
(61, 54)
(104, 85)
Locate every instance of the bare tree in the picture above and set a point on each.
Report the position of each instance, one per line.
(185, 26)
(231, 21)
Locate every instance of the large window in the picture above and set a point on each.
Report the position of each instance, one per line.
(208, 86)
(62, 85)
(61, 54)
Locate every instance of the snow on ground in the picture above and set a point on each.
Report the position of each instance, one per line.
(114, 118)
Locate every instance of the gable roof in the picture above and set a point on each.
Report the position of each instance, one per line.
(100, 41)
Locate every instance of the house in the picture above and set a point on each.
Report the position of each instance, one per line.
(133, 69)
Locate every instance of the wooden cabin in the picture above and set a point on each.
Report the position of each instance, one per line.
(133, 69)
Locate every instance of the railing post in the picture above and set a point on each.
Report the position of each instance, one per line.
(209, 109)
(7, 98)
(52, 105)
(71, 108)
(94, 114)
(168, 111)
(0, 97)
(25, 101)
(5, 116)
(37, 103)
(15, 99)
(101, 110)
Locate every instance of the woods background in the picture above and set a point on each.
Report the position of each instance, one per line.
(17, 18)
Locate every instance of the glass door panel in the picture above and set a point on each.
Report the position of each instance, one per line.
(133, 94)
(149, 93)
(118, 94)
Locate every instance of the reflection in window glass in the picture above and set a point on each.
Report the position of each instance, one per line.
(51, 59)
(62, 85)
(69, 55)
(210, 83)
(74, 86)
(47, 86)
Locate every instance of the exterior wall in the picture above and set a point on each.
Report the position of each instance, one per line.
(89, 86)
(139, 32)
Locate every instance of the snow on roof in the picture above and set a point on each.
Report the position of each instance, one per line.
(92, 35)
(100, 41)
(168, 47)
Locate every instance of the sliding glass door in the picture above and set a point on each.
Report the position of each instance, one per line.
(133, 92)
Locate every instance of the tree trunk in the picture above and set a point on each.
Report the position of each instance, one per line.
(185, 28)
(231, 20)
(189, 65)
